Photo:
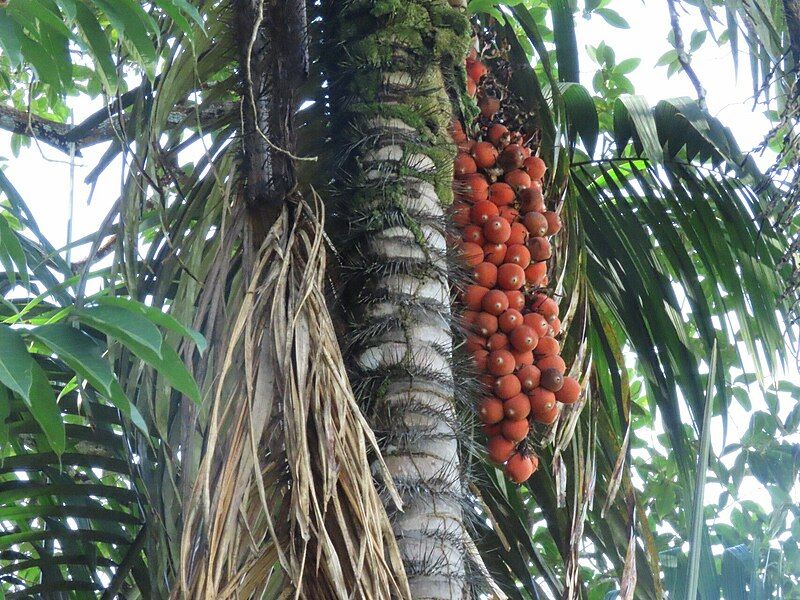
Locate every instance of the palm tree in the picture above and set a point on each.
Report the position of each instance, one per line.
(239, 462)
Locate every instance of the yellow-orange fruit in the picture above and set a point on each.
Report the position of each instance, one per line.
(472, 87)
(473, 233)
(491, 411)
(497, 230)
(538, 322)
(570, 391)
(510, 276)
(542, 400)
(547, 346)
(545, 306)
(475, 343)
(519, 234)
(498, 134)
(499, 448)
(472, 297)
(516, 431)
(517, 179)
(529, 377)
(509, 213)
(476, 70)
(473, 188)
(500, 362)
(536, 223)
(536, 272)
(531, 200)
(471, 253)
(535, 167)
(485, 274)
(461, 213)
(517, 254)
(464, 164)
(482, 211)
(497, 341)
(545, 417)
(516, 408)
(511, 157)
(485, 324)
(522, 358)
(540, 249)
(485, 155)
(509, 320)
(480, 357)
(519, 468)
(469, 316)
(555, 325)
(552, 380)
(501, 194)
(489, 106)
(494, 253)
(506, 387)
(492, 431)
(523, 338)
(553, 222)
(516, 299)
(495, 302)
(551, 362)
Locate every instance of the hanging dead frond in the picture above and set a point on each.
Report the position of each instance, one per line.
(284, 502)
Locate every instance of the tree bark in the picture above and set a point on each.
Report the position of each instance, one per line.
(392, 111)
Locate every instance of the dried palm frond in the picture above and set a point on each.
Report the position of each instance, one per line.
(284, 503)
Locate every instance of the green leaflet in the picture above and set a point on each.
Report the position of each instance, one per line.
(23, 375)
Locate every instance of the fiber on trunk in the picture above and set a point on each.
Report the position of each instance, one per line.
(392, 107)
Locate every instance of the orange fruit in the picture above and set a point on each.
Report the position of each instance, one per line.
(499, 448)
(499, 135)
(517, 179)
(476, 70)
(511, 157)
(494, 253)
(495, 302)
(461, 213)
(570, 391)
(529, 377)
(482, 211)
(519, 234)
(515, 431)
(500, 362)
(531, 199)
(545, 306)
(522, 358)
(507, 386)
(485, 324)
(491, 411)
(547, 346)
(497, 230)
(489, 105)
(553, 222)
(501, 194)
(540, 249)
(473, 188)
(485, 155)
(519, 467)
(536, 272)
(516, 299)
(546, 417)
(552, 379)
(471, 253)
(516, 408)
(523, 338)
(517, 254)
(474, 234)
(536, 223)
(538, 322)
(485, 274)
(541, 400)
(509, 320)
(535, 167)
(497, 341)
(480, 357)
(473, 296)
(464, 164)
(510, 276)
(552, 362)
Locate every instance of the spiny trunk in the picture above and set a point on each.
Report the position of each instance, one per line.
(392, 111)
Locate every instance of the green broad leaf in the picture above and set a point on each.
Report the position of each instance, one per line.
(633, 116)
(566, 42)
(83, 355)
(12, 247)
(581, 114)
(613, 18)
(11, 36)
(22, 374)
(176, 9)
(628, 65)
(5, 411)
(156, 316)
(669, 57)
(124, 326)
(135, 25)
(98, 43)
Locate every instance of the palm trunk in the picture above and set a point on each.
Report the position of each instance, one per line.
(394, 111)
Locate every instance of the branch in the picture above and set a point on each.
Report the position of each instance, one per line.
(683, 57)
(60, 135)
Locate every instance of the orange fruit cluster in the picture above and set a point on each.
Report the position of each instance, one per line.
(505, 240)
